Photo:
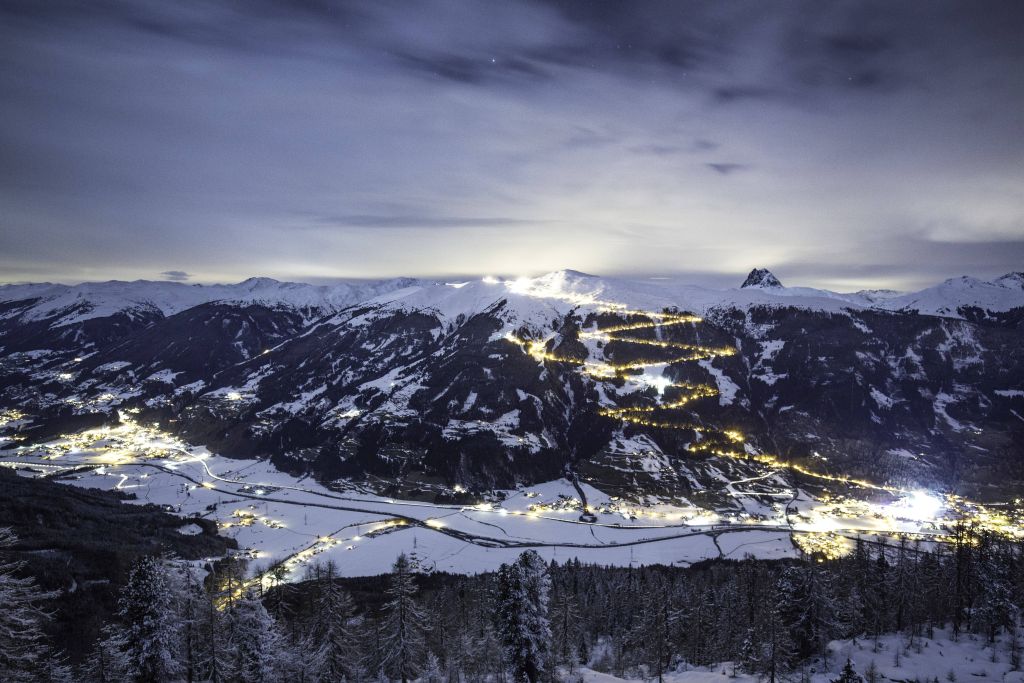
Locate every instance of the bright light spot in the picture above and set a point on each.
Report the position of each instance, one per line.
(435, 523)
(658, 383)
(459, 285)
(491, 280)
(234, 396)
(208, 485)
(919, 505)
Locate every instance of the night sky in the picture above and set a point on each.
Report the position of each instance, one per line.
(844, 145)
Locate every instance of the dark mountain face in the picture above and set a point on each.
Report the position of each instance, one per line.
(514, 390)
(761, 277)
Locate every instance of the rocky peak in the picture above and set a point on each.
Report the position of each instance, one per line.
(763, 278)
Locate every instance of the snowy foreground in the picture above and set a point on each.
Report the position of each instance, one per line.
(927, 659)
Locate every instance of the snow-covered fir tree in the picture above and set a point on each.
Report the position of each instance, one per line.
(259, 655)
(807, 605)
(151, 637)
(330, 646)
(523, 589)
(106, 662)
(566, 630)
(403, 642)
(654, 630)
(191, 611)
(25, 654)
(995, 610)
(848, 675)
(432, 671)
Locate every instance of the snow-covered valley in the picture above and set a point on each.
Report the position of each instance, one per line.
(280, 520)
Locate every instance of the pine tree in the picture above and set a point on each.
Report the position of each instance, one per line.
(808, 607)
(24, 652)
(259, 654)
(150, 639)
(191, 601)
(655, 627)
(330, 643)
(215, 632)
(523, 589)
(404, 626)
(432, 672)
(777, 647)
(848, 675)
(995, 609)
(566, 628)
(106, 662)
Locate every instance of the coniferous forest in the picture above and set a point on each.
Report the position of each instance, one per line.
(530, 621)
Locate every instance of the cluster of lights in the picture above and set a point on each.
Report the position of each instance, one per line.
(912, 506)
(641, 415)
(246, 518)
(823, 545)
(817, 532)
(8, 416)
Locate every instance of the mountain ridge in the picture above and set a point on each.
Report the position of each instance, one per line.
(496, 381)
(105, 298)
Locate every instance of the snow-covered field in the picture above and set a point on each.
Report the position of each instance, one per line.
(895, 657)
(280, 519)
(274, 516)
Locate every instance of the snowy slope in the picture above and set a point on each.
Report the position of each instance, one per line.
(535, 299)
(529, 300)
(71, 304)
(940, 657)
(1001, 294)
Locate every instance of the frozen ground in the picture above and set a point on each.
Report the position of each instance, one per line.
(970, 658)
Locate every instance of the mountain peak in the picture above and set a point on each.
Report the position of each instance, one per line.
(763, 278)
(254, 282)
(1011, 280)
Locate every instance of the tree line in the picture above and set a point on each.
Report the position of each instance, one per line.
(530, 621)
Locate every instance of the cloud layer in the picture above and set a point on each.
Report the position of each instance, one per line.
(843, 144)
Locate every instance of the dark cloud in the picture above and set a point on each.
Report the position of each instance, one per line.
(657, 150)
(314, 138)
(738, 93)
(412, 221)
(704, 146)
(472, 70)
(723, 168)
(175, 275)
(855, 44)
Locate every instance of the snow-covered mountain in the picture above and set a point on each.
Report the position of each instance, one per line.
(639, 384)
(761, 277)
(68, 304)
(957, 295)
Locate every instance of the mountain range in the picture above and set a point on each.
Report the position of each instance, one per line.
(642, 387)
